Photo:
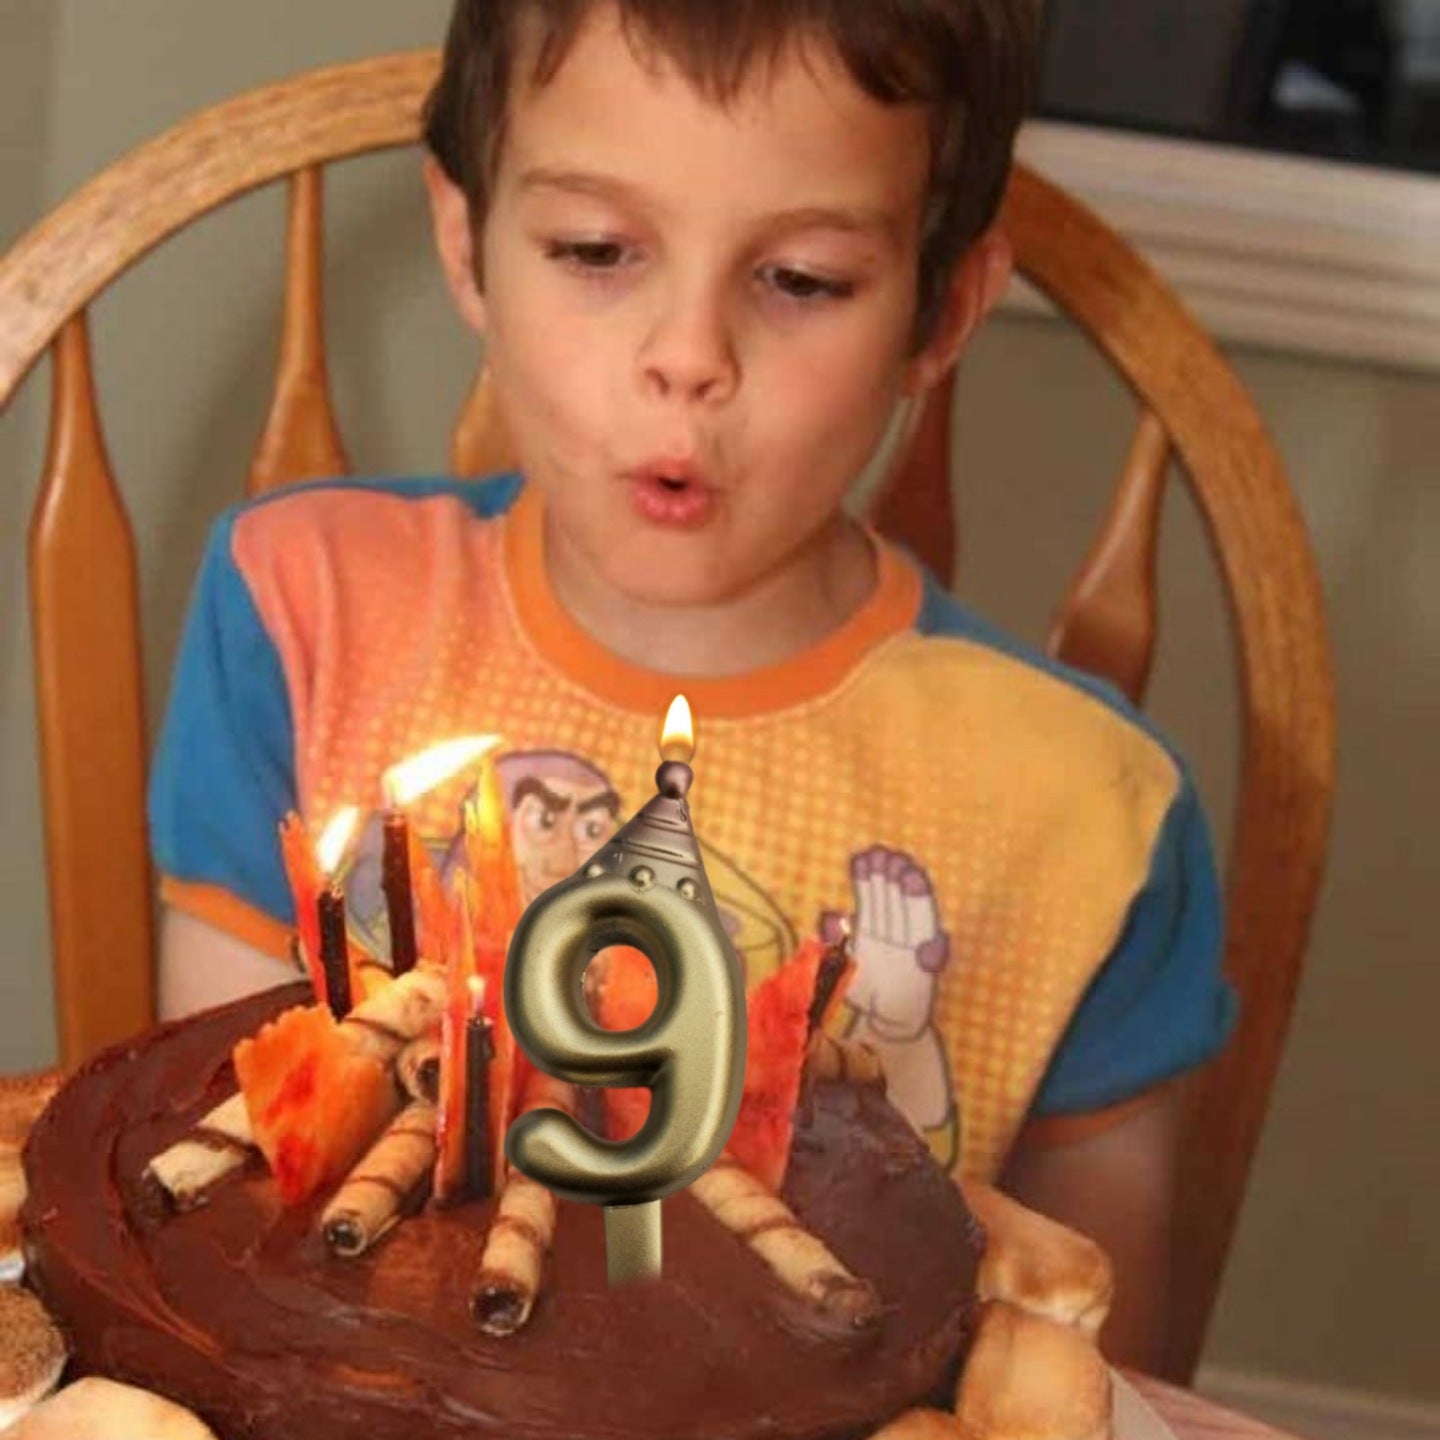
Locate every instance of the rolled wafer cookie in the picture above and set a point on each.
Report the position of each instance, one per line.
(516, 1248)
(96, 1409)
(417, 1067)
(522, 1231)
(220, 1143)
(32, 1354)
(410, 1006)
(802, 1261)
(378, 1189)
(1037, 1264)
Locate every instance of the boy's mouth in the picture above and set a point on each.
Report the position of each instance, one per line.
(671, 495)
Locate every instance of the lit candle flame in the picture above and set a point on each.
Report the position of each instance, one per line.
(412, 777)
(677, 735)
(477, 994)
(335, 838)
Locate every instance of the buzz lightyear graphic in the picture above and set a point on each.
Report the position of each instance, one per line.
(562, 809)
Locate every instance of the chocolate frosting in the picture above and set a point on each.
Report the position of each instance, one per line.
(237, 1310)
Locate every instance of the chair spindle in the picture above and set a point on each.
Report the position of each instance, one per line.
(301, 440)
(1107, 622)
(90, 713)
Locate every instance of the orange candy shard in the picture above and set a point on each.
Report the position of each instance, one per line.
(432, 905)
(302, 870)
(778, 1011)
(490, 856)
(315, 1104)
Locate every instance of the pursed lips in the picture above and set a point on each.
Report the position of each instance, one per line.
(674, 470)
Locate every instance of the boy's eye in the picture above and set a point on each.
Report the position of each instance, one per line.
(804, 285)
(587, 254)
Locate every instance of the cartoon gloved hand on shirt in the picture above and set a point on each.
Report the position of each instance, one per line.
(900, 949)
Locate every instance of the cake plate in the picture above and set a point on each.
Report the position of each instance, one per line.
(1133, 1418)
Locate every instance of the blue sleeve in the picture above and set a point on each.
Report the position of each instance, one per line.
(224, 773)
(1160, 1005)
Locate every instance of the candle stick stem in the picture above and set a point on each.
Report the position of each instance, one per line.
(335, 951)
(831, 972)
(633, 1242)
(479, 1051)
(395, 881)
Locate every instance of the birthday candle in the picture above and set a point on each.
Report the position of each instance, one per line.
(395, 882)
(479, 1051)
(334, 945)
(402, 784)
(451, 1154)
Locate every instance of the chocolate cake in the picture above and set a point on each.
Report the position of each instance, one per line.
(238, 1310)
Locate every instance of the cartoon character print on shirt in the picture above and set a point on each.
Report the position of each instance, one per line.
(900, 949)
(562, 810)
(759, 930)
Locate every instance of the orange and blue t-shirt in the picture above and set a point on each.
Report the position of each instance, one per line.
(1023, 861)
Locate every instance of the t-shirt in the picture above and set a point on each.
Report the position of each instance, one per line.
(1023, 862)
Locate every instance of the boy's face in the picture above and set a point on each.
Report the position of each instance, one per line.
(699, 318)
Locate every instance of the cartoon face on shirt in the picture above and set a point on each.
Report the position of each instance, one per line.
(562, 809)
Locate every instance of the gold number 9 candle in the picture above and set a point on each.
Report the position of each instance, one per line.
(646, 888)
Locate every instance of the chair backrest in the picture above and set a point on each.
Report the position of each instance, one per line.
(1191, 409)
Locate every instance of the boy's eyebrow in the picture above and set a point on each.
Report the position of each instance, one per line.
(862, 220)
(859, 220)
(582, 181)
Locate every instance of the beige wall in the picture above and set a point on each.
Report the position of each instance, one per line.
(1338, 1264)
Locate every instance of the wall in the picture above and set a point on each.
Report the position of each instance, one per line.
(1337, 1265)
(27, 63)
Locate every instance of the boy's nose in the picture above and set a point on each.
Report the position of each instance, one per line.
(689, 354)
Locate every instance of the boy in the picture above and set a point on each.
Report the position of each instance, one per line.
(711, 246)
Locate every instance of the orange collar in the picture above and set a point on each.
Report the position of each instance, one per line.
(892, 608)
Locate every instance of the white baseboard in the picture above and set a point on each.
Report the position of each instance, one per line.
(1320, 1412)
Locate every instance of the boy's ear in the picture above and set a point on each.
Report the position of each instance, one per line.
(976, 285)
(455, 241)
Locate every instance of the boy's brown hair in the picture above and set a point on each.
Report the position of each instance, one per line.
(970, 62)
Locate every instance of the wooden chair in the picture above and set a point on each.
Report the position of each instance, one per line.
(1191, 407)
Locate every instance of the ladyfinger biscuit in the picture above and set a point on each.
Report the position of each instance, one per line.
(1027, 1378)
(1038, 1265)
